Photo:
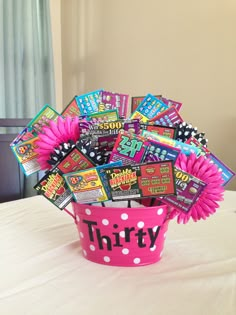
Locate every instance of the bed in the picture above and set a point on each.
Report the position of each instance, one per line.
(44, 272)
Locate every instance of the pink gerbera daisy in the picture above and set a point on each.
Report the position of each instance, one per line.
(207, 202)
(61, 131)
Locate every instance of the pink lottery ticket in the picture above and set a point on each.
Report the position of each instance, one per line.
(168, 102)
(117, 101)
(129, 148)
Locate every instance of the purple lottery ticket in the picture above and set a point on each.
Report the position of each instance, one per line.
(188, 189)
(109, 127)
(114, 101)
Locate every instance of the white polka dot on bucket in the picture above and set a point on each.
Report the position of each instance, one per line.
(92, 247)
(105, 222)
(92, 154)
(153, 248)
(81, 234)
(122, 234)
(160, 211)
(137, 260)
(85, 253)
(124, 216)
(140, 224)
(106, 259)
(125, 251)
(88, 211)
(155, 228)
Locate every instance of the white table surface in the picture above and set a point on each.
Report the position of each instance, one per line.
(43, 271)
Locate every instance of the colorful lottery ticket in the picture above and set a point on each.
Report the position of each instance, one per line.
(72, 109)
(185, 148)
(86, 186)
(169, 132)
(129, 148)
(54, 188)
(26, 134)
(110, 100)
(148, 108)
(88, 103)
(73, 161)
(26, 156)
(109, 127)
(141, 181)
(226, 173)
(188, 189)
(158, 151)
(42, 119)
(170, 117)
(104, 116)
(102, 173)
(170, 103)
(194, 142)
(136, 100)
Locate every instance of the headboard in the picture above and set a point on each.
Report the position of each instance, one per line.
(11, 177)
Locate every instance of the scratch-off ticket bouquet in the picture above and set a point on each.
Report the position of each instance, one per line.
(125, 177)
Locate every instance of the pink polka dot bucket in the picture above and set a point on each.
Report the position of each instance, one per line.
(121, 236)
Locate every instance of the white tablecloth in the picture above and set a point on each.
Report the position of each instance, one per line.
(43, 271)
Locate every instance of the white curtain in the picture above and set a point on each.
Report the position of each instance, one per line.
(26, 58)
(26, 63)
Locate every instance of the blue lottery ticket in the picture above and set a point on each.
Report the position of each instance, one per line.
(226, 173)
(151, 106)
(160, 151)
(185, 148)
(88, 103)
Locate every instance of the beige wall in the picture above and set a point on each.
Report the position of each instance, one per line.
(185, 50)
